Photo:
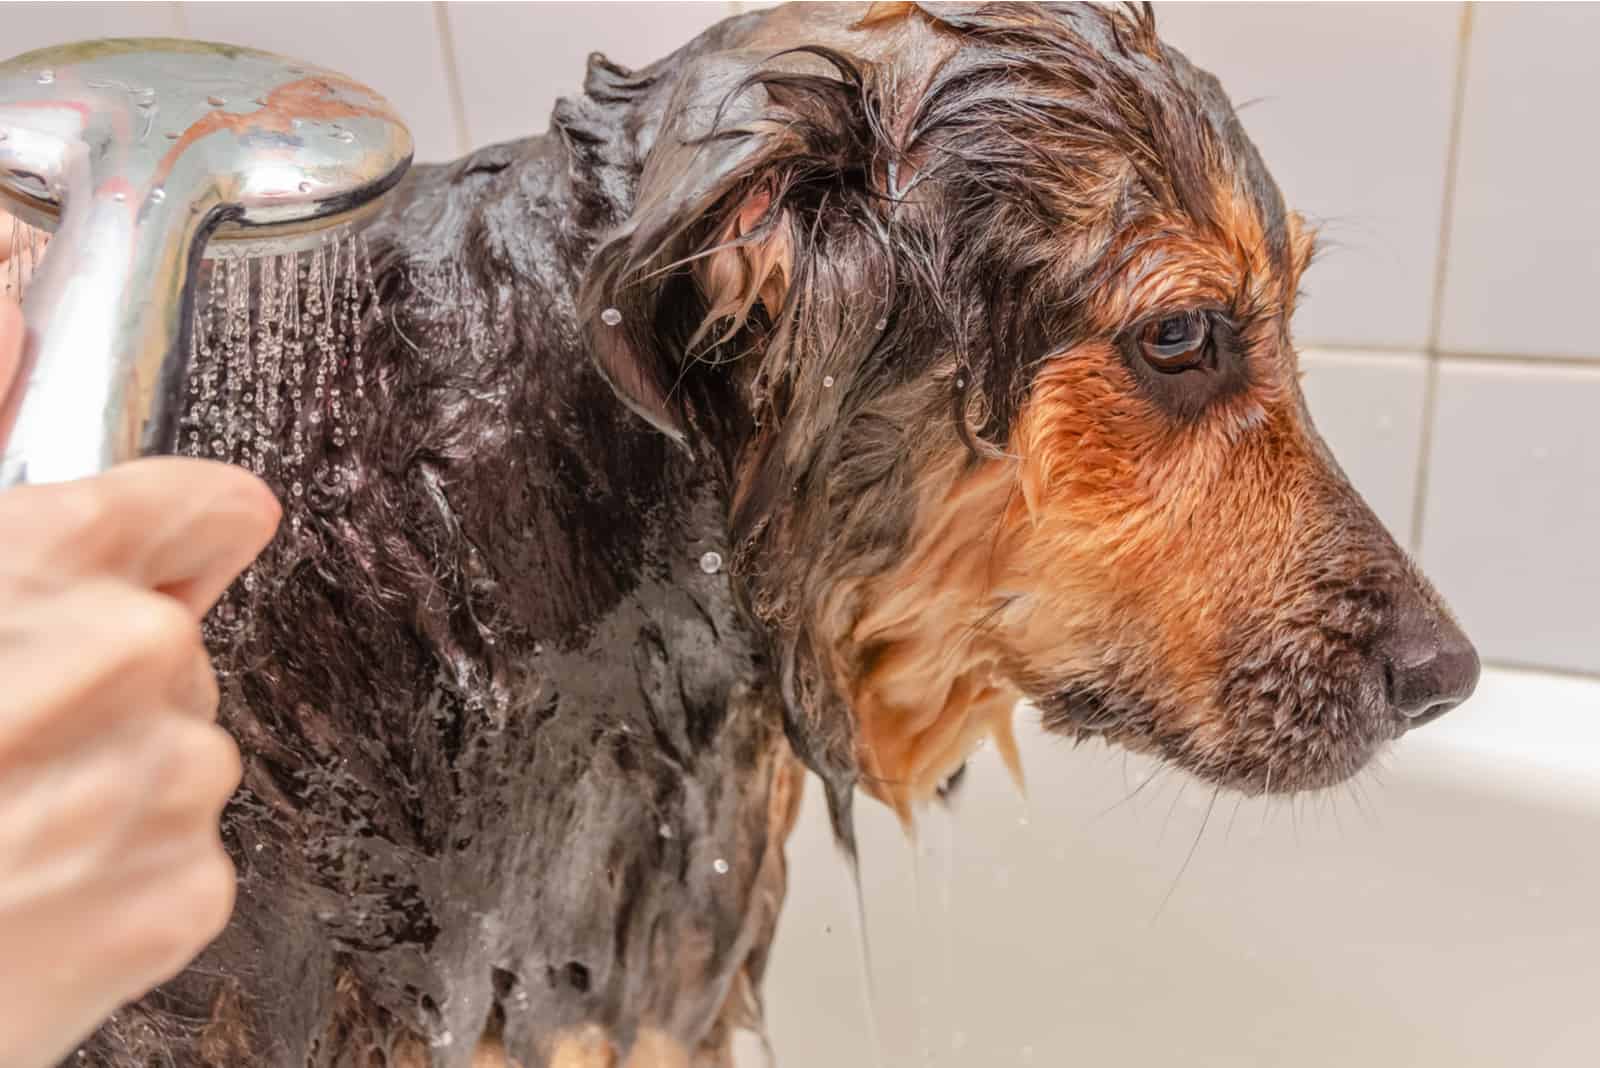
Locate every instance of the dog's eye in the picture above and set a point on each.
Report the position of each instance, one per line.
(1175, 343)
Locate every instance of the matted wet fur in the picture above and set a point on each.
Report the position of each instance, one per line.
(895, 291)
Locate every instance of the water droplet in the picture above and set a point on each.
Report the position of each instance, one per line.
(827, 381)
(720, 866)
(611, 317)
(305, 187)
(883, 324)
(443, 1038)
(173, 135)
(325, 915)
(343, 136)
(961, 383)
(665, 831)
(260, 846)
(119, 197)
(147, 98)
(261, 101)
(215, 101)
(157, 195)
(711, 562)
(46, 77)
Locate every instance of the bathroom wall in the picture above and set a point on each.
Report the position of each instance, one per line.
(1452, 351)
(1452, 358)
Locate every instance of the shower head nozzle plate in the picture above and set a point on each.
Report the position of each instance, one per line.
(265, 151)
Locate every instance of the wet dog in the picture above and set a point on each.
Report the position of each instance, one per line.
(823, 389)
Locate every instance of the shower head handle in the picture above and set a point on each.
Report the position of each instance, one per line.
(141, 154)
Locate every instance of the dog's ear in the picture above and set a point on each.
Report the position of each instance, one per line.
(704, 245)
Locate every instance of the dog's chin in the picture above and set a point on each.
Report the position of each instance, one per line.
(1240, 752)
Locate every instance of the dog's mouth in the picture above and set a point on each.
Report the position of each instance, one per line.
(1251, 747)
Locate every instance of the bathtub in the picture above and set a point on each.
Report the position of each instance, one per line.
(1444, 911)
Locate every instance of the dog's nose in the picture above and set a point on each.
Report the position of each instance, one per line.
(1430, 666)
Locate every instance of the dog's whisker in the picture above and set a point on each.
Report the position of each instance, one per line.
(1205, 821)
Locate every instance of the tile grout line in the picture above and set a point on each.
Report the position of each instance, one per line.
(1579, 363)
(452, 75)
(1532, 668)
(1430, 389)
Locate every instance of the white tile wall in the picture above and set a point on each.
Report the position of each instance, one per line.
(1511, 532)
(1368, 406)
(1524, 265)
(515, 61)
(1353, 107)
(1350, 106)
(26, 26)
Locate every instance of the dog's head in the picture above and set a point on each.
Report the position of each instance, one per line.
(987, 309)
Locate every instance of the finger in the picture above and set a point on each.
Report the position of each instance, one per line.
(79, 659)
(10, 343)
(184, 527)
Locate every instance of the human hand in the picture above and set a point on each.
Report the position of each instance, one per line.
(113, 772)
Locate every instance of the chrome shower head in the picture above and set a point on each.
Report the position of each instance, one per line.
(142, 155)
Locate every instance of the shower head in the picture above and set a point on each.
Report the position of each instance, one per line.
(142, 156)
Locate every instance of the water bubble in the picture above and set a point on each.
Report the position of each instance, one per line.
(305, 187)
(827, 381)
(157, 195)
(46, 77)
(720, 866)
(215, 101)
(611, 317)
(711, 562)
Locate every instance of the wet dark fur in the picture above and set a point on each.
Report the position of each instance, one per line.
(494, 671)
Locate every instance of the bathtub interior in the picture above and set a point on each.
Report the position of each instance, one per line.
(1439, 912)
